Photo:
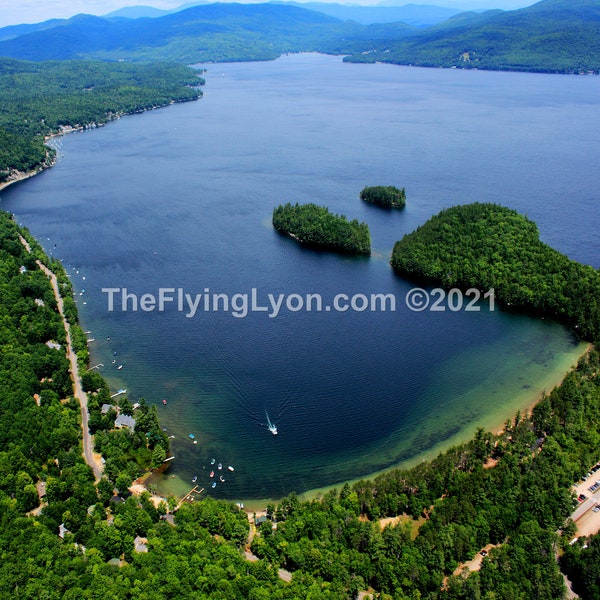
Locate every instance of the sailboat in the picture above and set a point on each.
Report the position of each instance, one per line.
(272, 427)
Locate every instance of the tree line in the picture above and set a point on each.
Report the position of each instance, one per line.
(38, 99)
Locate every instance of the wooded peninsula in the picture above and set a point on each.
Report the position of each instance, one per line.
(42, 99)
(489, 246)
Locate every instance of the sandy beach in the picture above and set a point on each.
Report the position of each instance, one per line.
(525, 402)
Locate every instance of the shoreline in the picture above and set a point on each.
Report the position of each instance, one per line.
(24, 176)
(66, 129)
(492, 422)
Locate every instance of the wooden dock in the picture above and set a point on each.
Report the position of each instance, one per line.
(194, 489)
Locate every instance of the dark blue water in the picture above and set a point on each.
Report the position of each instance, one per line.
(182, 198)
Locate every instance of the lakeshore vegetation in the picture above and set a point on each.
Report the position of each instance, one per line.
(387, 196)
(315, 226)
(41, 99)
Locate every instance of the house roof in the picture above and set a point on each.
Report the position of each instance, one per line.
(125, 421)
(140, 544)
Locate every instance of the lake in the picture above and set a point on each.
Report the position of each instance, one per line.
(181, 198)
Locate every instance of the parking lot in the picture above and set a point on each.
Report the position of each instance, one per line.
(587, 514)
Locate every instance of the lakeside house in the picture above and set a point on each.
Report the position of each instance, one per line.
(123, 421)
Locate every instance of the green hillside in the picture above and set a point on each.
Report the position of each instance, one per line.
(550, 36)
(215, 32)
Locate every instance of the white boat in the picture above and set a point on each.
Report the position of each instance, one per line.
(271, 426)
(231, 468)
(194, 478)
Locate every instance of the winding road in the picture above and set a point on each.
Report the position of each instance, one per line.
(88, 446)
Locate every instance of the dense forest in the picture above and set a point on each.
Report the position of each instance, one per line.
(316, 226)
(402, 535)
(387, 196)
(488, 246)
(38, 99)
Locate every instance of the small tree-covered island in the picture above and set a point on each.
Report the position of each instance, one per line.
(489, 246)
(315, 226)
(386, 196)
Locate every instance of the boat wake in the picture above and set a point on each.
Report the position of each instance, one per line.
(271, 426)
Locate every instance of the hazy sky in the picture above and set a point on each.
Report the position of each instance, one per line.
(34, 11)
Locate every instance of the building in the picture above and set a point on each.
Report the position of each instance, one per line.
(125, 421)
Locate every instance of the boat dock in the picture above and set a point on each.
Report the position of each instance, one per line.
(194, 489)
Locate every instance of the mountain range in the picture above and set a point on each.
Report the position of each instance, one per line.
(418, 15)
(550, 36)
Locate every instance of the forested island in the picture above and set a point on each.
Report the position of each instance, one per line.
(386, 196)
(315, 226)
(41, 99)
(488, 246)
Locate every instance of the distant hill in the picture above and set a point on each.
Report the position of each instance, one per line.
(212, 32)
(139, 12)
(417, 15)
(13, 31)
(148, 12)
(550, 36)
